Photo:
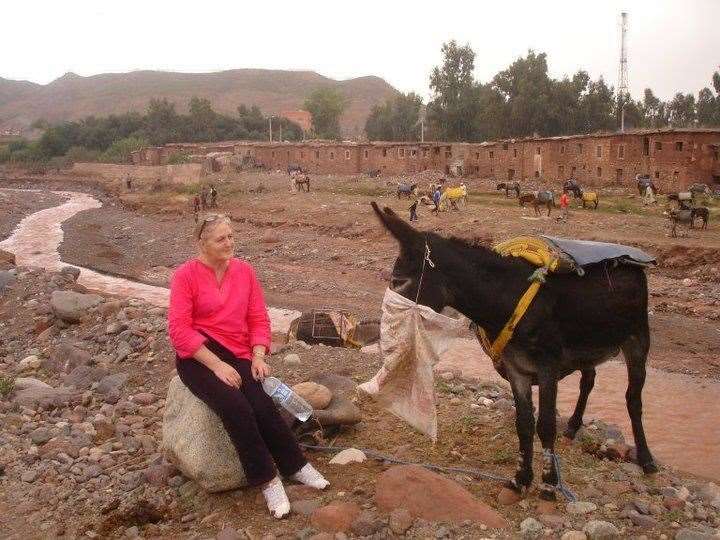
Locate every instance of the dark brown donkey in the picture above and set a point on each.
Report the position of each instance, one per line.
(573, 324)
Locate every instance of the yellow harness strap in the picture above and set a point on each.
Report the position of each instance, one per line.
(495, 349)
(535, 251)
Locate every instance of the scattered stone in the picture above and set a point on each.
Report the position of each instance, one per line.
(692, 534)
(71, 306)
(531, 528)
(581, 507)
(349, 455)
(112, 383)
(40, 436)
(430, 496)
(229, 533)
(29, 476)
(400, 520)
(366, 524)
(507, 496)
(317, 395)
(144, 398)
(29, 363)
(305, 506)
(335, 517)
(195, 441)
(83, 377)
(573, 535)
(601, 530)
(640, 520)
(340, 412)
(292, 359)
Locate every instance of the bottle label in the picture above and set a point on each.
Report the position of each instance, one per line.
(282, 392)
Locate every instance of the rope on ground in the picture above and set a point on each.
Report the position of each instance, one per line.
(381, 457)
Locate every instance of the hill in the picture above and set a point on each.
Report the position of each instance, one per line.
(72, 97)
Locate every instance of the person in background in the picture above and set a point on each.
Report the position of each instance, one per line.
(413, 210)
(565, 204)
(220, 330)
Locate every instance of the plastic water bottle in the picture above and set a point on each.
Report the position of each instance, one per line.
(283, 395)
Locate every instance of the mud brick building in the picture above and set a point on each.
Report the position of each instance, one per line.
(674, 158)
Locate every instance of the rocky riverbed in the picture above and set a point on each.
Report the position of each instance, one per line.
(82, 396)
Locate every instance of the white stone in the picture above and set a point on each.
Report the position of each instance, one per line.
(29, 362)
(581, 507)
(349, 455)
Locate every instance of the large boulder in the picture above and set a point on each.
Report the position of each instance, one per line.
(432, 497)
(71, 306)
(195, 441)
(43, 396)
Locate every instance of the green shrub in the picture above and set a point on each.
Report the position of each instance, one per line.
(179, 159)
(119, 151)
(7, 385)
(80, 154)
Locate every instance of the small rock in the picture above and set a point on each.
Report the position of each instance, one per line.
(573, 535)
(40, 436)
(305, 506)
(335, 517)
(400, 520)
(349, 455)
(229, 533)
(692, 534)
(640, 520)
(601, 530)
(144, 398)
(317, 395)
(292, 359)
(507, 496)
(29, 476)
(531, 528)
(581, 507)
(29, 363)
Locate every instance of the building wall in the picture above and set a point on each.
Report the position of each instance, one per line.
(142, 175)
(674, 159)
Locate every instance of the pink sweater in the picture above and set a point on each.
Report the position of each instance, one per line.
(233, 313)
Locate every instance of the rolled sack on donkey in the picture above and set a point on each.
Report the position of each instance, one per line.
(573, 323)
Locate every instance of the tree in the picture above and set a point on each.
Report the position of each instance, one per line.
(654, 110)
(597, 108)
(395, 120)
(453, 107)
(682, 110)
(326, 105)
(707, 108)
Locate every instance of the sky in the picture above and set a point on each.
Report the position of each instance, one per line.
(672, 46)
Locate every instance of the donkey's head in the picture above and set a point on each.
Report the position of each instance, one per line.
(408, 268)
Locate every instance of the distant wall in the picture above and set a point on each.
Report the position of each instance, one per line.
(186, 173)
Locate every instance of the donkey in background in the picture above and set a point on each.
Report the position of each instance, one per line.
(557, 336)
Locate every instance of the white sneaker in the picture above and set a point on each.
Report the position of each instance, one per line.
(276, 498)
(311, 477)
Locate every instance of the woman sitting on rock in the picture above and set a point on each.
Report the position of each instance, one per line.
(219, 327)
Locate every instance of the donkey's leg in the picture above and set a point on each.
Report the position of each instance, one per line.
(587, 381)
(547, 431)
(635, 350)
(524, 424)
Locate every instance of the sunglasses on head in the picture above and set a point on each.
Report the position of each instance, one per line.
(208, 219)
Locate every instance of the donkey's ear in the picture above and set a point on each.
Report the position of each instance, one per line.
(401, 230)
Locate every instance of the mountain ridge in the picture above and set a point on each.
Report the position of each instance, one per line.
(72, 96)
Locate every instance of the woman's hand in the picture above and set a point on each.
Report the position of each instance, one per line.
(227, 374)
(259, 369)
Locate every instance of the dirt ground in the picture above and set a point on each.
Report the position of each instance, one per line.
(326, 249)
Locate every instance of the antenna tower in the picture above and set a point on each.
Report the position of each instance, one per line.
(623, 92)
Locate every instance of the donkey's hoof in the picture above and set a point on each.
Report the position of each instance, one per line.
(649, 468)
(513, 485)
(547, 495)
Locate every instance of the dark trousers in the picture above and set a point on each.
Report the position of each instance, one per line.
(249, 415)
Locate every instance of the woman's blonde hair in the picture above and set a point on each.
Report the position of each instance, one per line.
(208, 223)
